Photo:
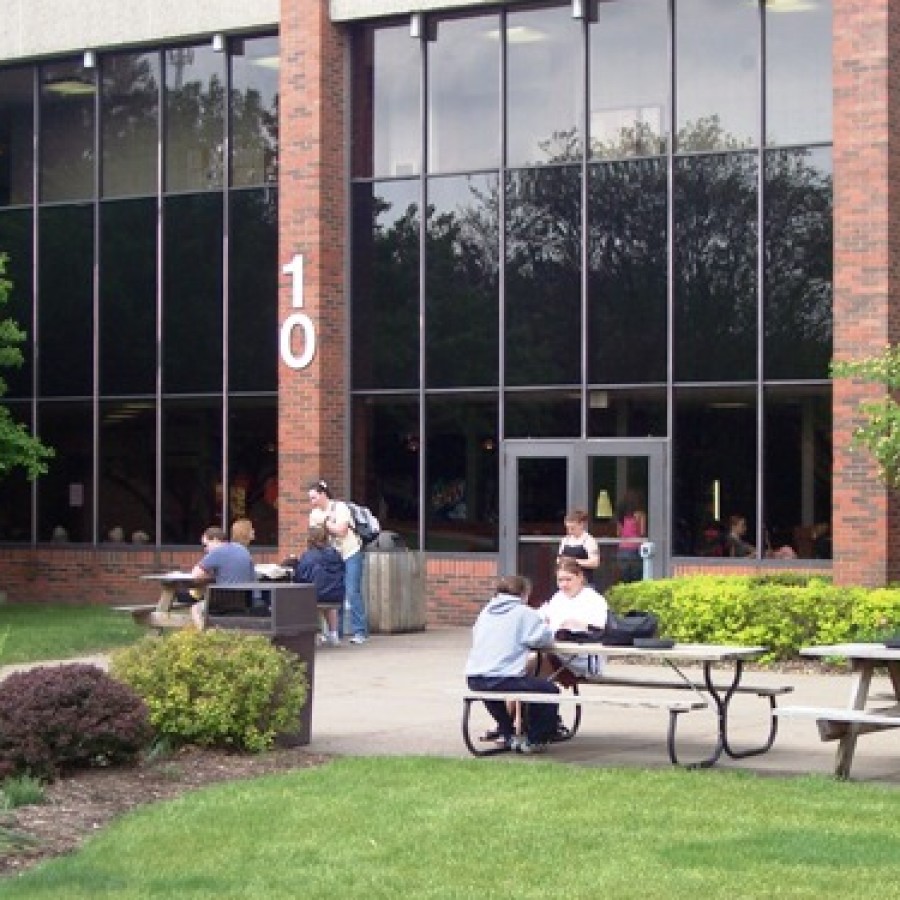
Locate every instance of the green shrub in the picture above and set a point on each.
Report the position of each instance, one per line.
(57, 718)
(781, 612)
(21, 790)
(215, 688)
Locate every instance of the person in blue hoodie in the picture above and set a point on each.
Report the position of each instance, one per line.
(322, 566)
(504, 633)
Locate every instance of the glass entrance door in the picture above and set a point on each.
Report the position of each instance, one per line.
(609, 479)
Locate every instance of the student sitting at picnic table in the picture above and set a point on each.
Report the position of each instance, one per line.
(574, 607)
(225, 562)
(505, 631)
(322, 566)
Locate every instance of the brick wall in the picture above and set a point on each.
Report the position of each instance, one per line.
(867, 175)
(312, 424)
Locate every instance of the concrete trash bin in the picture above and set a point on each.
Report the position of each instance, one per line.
(394, 590)
(288, 614)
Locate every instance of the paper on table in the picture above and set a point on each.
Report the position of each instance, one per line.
(271, 570)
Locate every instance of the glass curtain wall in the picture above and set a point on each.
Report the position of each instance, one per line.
(156, 384)
(618, 227)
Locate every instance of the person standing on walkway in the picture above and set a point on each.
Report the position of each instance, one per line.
(334, 516)
(506, 630)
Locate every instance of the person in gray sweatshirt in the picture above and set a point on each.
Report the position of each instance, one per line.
(504, 633)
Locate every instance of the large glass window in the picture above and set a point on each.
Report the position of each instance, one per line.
(195, 118)
(543, 266)
(627, 272)
(16, 136)
(464, 94)
(129, 121)
(462, 271)
(716, 268)
(15, 501)
(387, 134)
(66, 301)
(254, 111)
(798, 72)
(128, 297)
(799, 238)
(717, 74)
(16, 241)
(253, 465)
(545, 93)
(386, 223)
(629, 79)
(192, 291)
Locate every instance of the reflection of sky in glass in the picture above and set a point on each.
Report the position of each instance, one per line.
(464, 94)
(473, 200)
(396, 89)
(717, 66)
(629, 69)
(544, 84)
(798, 64)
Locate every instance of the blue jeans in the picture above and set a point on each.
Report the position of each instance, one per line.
(355, 620)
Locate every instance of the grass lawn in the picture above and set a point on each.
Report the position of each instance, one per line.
(437, 828)
(30, 633)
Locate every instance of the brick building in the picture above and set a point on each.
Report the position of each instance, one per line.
(475, 263)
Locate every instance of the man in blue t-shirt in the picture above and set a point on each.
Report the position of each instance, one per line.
(225, 562)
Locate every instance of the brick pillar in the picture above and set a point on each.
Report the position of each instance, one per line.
(866, 266)
(312, 187)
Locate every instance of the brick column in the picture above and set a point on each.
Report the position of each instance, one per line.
(312, 188)
(866, 266)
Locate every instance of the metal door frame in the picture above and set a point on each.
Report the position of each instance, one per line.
(576, 452)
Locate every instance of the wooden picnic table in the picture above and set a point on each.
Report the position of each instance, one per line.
(167, 613)
(846, 723)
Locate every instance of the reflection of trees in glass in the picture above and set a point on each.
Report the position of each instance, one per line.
(255, 136)
(462, 288)
(799, 227)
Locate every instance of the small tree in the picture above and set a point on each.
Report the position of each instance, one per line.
(17, 446)
(880, 435)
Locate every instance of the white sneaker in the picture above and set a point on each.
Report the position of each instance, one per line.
(333, 639)
(358, 639)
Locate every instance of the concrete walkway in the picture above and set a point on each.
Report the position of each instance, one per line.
(399, 695)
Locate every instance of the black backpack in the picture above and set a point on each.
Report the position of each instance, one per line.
(621, 630)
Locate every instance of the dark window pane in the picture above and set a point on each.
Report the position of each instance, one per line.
(386, 284)
(127, 489)
(461, 304)
(129, 117)
(799, 264)
(797, 469)
(386, 99)
(65, 493)
(192, 308)
(462, 471)
(386, 448)
(191, 470)
(715, 268)
(16, 241)
(717, 71)
(629, 100)
(464, 94)
(545, 86)
(195, 118)
(253, 465)
(254, 110)
(635, 412)
(543, 265)
(798, 73)
(714, 467)
(15, 489)
(67, 132)
(128, 297)
(253, 287)
(542, 415)
(16, 136)
(628, 272)
(66, 301)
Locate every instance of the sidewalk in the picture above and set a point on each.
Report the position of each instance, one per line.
(400, 695)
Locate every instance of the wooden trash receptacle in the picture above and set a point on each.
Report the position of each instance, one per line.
(394, 590)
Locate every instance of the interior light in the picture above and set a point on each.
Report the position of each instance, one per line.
(70, 86)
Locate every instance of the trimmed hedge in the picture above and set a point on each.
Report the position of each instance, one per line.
(783, 613)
